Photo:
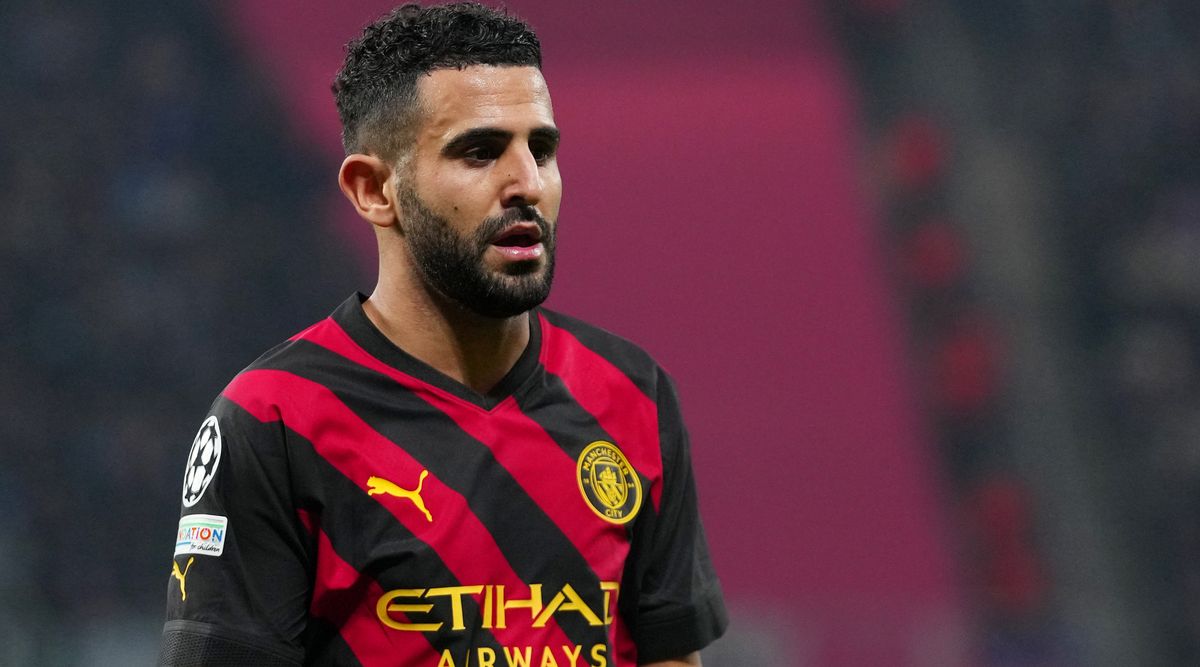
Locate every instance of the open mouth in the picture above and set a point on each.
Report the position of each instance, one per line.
(520, 243)
(519, 236)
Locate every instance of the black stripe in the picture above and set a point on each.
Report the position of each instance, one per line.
(324, 646)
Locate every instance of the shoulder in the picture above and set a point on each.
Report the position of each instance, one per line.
(291, 353)
(268, 385)
(568, 337)
(564, 331)
(307, 350)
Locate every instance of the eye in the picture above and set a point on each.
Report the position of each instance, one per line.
(543, 150)
(481, 154)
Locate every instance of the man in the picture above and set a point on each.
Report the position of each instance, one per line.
(445, 473)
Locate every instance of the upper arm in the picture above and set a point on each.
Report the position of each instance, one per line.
(679, 607)
(238, 583)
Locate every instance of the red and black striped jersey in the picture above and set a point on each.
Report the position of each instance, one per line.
(344, 503)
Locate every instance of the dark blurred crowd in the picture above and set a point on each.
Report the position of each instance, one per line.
(158, 230)
(1110, 92)
(1129, 158)
(1097, 105)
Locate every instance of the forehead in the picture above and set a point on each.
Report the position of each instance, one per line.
(509, 98)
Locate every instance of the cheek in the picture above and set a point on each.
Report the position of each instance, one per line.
(552, 196)
(453, 199)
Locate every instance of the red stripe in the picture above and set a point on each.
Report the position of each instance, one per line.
(538, 464)
(305, 333)
(356, 450)
(611, 397)
(345, 598)
(311, 523)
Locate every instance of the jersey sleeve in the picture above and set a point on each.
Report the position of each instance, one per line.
(679, 604)
(239, 582)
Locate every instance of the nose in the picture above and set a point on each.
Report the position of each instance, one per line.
(523, 183)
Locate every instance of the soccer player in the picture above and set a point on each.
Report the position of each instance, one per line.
(445, 473)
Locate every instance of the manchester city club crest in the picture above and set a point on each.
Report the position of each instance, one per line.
(609, 484)
(202, 461)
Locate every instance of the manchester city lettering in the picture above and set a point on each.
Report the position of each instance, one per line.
(609, 484)
(497, 605)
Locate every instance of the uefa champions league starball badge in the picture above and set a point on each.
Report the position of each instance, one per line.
(202, 461)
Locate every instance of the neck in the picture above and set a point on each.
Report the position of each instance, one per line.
(474, 350)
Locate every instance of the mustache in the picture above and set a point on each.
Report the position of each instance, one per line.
(494, 225)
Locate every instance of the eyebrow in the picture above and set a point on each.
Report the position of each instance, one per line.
(546, 133)
(486, 134)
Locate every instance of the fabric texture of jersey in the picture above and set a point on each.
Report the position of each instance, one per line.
(369, 510)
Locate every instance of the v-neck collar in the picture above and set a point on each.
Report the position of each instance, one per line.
(353, 319)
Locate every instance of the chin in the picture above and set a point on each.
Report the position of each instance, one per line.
(523, 271)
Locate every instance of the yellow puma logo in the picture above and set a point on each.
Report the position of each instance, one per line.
(380, 485)
(181, 575)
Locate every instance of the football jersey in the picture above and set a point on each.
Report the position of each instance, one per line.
(345, 503)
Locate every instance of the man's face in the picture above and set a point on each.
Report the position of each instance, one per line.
(479, 197)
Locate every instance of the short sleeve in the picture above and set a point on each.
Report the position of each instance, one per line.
(679, 605)
(239, 583)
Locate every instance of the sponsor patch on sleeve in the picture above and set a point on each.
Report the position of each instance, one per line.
(202, 534)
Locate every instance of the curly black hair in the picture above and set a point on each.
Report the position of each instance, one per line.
(376, 88)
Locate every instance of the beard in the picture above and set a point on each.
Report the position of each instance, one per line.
(453, 267)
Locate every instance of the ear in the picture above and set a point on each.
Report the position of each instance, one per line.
(364, 179)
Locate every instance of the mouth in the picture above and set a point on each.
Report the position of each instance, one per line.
(520, 242)
(521, 235)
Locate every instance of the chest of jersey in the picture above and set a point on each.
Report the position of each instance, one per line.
(465, 528)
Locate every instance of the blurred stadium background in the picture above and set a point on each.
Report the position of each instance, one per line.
(927, 272)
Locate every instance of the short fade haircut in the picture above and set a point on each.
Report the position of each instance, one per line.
(376, 88)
